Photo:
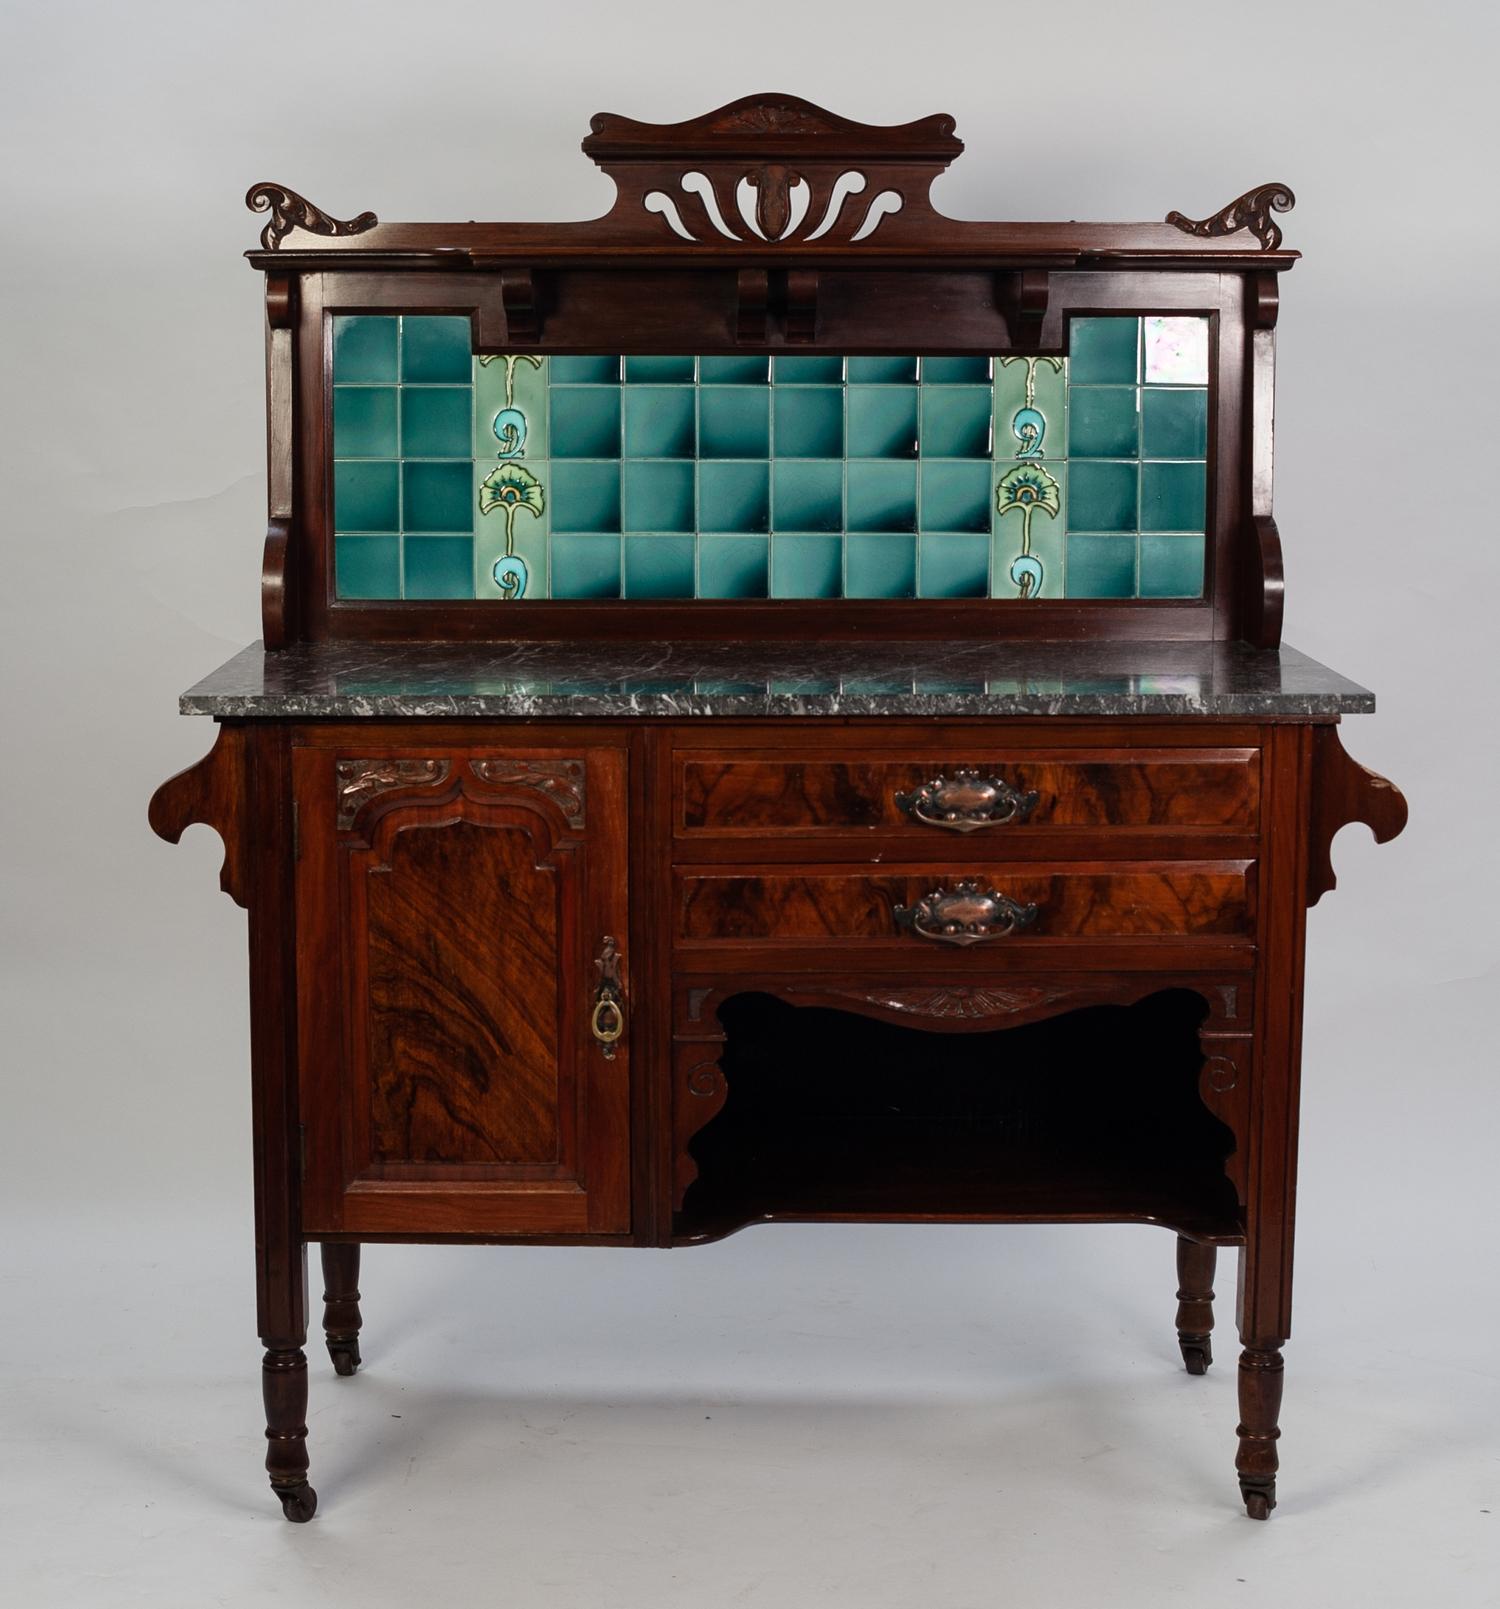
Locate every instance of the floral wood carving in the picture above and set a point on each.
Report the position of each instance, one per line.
(561, 781)
(957, 1001)
(290, 211)
(359, 781)
(1250, 211)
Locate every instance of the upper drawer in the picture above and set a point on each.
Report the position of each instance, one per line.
(974, 790)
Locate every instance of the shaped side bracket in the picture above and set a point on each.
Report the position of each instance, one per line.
(1344, 791)
(211, 792)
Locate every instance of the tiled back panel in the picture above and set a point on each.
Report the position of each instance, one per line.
(753, 477)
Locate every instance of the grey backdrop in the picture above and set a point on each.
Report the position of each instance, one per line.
(800, 1416)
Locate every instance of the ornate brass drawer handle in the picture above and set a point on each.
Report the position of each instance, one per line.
(967, 802)
(967, 913)
(607, 1024)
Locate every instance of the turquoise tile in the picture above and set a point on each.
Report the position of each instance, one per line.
(1103, 351)
(364, 347)
(585, 496)
(956, 371)
(658, 496)
(1101, 496)
(956, 495)
(367, 497)
(733, 566)
(585, 422)
(437, 422)
(808, 496)
(661, 370)
(1171, 566)
(882, 371)
(808, 371)
(584, 371)
(1174, 424)
(734, 497)
(882, 566)
(1172, 497)
(881, 496)
(1102, 422)
(659, 422)
(439, 567)
(733, 371)
(585, 567)
(882, 421)
(956, 421)
(806, 566)
(364, 422)
(437, 497)
(953, 566)
(734, 421)
(659, 566)
(809, 422)
(368, 566)
(1101, 566)
(435, 349)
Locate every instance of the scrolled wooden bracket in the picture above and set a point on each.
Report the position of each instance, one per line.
(1022, 294)
(752, 305)
(1265, 586)
(290, 211)
(801, 305)
(1250, 211)
(523, 318)
(1343, 791)
(212, 793)
(276, 598)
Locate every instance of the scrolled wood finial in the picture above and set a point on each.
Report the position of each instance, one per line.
(1250, 211)
(290, 211)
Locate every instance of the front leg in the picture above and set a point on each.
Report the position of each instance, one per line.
(1260, 1408)
(1195, 1303)
(284, 1387)
(341, 1321)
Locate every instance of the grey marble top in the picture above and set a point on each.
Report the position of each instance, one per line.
(349, 679)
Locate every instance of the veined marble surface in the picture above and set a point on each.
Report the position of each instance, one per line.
(351, 679)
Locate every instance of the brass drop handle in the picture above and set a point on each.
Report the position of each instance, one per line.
(607, 1023)
(967, 801)
(967, 913)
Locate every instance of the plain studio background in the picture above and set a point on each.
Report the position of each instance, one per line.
(799, 1416)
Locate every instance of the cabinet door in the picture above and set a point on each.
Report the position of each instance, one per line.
(459, 912)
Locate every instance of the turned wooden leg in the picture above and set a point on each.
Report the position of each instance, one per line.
(284, 1386)
(341, 1305)
(1195, 1303)
(1260, 1408)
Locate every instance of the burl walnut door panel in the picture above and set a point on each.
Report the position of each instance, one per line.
(453, 907)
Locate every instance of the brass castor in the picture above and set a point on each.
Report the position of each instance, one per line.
(345, 1355)
(1259, 1501)
(1197, 1353)
(298, 1503)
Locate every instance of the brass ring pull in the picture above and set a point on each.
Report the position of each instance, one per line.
(607, 1021)
(967, 801)
(967, 913)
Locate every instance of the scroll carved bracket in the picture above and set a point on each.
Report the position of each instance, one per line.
(1250, 211)
(360, 781)
(561, 781)
(290, 211)
(1343, 791)
(210, 793)
(523, 319)
(1023, 295)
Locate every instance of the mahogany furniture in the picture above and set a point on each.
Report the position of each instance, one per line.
(772, 708)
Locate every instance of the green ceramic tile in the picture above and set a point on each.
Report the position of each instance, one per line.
(733, 371)
(1103, 351)
(956, 371)
(808, 371)
(734, 497)
(1172, 497)
(367, 497)
(435, 349)
(585, 496)
(1047, 540)
(883, 566)
(734, 421)
(658, 369)
(439, 566)
(514, 428)
(659, 422)
(1101, 496)
(956, 495)
(808, 496)
(368, 566)
(1103, 422)
(659, 566)
(585, 567)
(529, 526)
(585, 422)
(881, 496)
(1171, 566)
(733, 566)
(1101, 566)
(956, 421)
(882, 421)
(808, 422)
(364, 347)
(882, 371)
(1174, 424)
(1049, 399)
(436, 422)
(364, 422)
(585, 371)
(658, 496)
(1175, 350)
(437, 497)
(806, 566)
(954, 566)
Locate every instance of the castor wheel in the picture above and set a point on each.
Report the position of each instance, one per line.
(1197, 1355)
(1258, 1501)
(345, 1355)
(298, 1503)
